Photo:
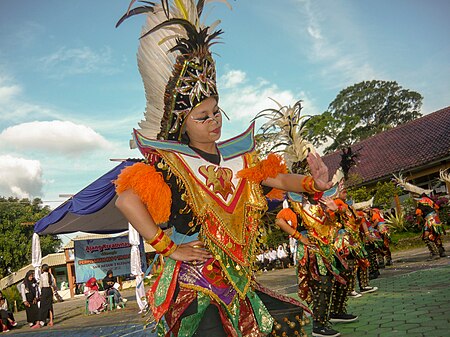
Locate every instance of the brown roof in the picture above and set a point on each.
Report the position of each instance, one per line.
(55, 259)
(409, 146)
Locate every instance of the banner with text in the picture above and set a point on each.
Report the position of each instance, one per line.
(94, 257)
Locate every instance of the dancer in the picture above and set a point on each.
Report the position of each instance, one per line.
(210, 193)
(318, 262)
(350, 246)
(432, 228)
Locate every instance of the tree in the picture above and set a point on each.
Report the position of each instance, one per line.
(361, 111)
(16, 220)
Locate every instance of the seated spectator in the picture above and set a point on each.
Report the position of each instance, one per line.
(283, 257)
(29, 290)
(6, 316)
(110, 285)
(96, 302)
(273, 259)
(260, 260)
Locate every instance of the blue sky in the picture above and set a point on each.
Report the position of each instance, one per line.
(70, 90)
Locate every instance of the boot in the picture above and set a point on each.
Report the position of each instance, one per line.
(434, 251)
(373, 267)
(342, 291)
(322, 290)
(389, 258)
(441, 251)
(363, 278)
(381, 264)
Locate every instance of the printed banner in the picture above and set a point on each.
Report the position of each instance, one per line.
(93, 258)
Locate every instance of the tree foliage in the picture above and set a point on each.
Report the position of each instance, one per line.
(16, 222)
(361, 111)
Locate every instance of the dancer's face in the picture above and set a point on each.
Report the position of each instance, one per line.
(204, 123)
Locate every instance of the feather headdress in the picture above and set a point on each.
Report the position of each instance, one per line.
(445, 176)
(175, 63)
(285, 133)
(400, 181)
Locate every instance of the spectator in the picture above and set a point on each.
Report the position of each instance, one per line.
(273, 259)
(282, 256)
(46, 303)
(29, 290)
(6, 316)
(96, 302)
(110, 285)
(293, 249)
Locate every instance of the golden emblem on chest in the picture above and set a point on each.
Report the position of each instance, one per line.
(218, 179)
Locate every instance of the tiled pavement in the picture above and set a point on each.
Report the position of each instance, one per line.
(413, 305)
(413, 300)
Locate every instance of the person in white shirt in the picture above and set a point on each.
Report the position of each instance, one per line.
(293, 249)
(283, 257)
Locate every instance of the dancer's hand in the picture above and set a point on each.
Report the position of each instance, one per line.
(319, 171)
(192, 251)
(329, 202)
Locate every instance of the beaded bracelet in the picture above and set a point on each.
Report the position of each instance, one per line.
(308, 185)
(162, 243)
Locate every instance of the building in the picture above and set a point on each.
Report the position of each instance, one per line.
(418, 150)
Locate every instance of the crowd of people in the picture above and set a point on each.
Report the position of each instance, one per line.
(37, 298)
(272, 258)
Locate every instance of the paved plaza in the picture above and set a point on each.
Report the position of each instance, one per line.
(413, 300)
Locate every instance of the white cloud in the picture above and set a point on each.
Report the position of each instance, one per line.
(76, 61)
(20, 177)
(61, 137)
(345, 60)
(232, 78)
(12, 108)
(8, 92)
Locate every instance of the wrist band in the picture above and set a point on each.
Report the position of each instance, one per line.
(162, 243)
(296, 235)
(308, 185)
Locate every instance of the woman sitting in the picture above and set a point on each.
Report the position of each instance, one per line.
(6, 316)
(110, 285)
(96, 302)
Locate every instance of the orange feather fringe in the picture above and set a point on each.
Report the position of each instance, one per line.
(266, 168)
(288, 215)
(150, 186)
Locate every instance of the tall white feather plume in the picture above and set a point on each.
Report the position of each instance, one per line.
(285, 129)
(399, 180)
(364, 204)
(155, 65)
(445, 176)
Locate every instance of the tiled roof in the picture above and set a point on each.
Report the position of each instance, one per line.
(52, 260)
(407, 147)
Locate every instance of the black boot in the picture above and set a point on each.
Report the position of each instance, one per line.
(322, 290)
(434, 251)
(338, 311)
(441, 251)
(381, 264)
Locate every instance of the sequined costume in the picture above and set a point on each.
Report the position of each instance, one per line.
(350, 246)
(211, 203)
(379, 224)
(432, 228)
(318, 263)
